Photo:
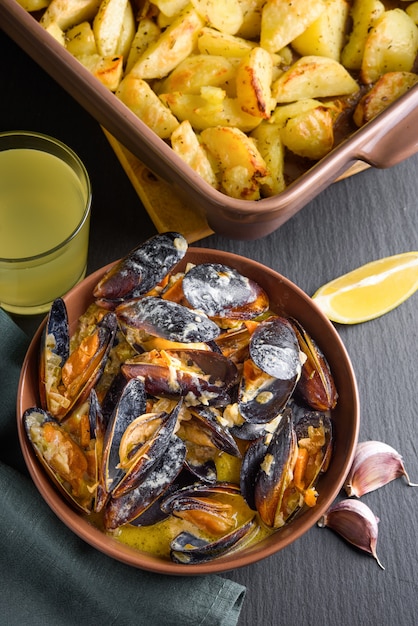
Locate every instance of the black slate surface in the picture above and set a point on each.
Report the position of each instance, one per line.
(319, 579)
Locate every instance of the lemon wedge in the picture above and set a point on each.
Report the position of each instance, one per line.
(370, 290)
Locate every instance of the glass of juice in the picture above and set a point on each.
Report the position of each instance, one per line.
(45, 201)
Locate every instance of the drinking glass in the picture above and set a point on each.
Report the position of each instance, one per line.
(45, 203)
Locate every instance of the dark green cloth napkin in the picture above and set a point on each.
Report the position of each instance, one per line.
(50, 577)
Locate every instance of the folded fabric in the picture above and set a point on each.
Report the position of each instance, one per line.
(51, 577)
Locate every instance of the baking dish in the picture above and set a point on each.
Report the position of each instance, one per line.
(385, 141)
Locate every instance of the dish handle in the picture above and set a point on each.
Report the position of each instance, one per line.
(393, 137)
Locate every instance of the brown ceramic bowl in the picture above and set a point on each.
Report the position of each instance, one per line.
(383, 142)
(286, 299)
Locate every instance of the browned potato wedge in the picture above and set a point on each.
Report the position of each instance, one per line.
(391, 46)
(67, 13)
(313, 77)
(127, 32)
(106, 69)
(141, 99)
(211, 41)
(285, 111)
(283, 20)
(364, 15)
(251, 18)
(172, 47)
(326, 35)
(80, 40)
(56, 32)
(186, 144)
(387, 89)
(253, 83)
(107, 25)
(226, 15)
(271, 148)
(198, 71)
(240, 164)
(309, 134)
(211, 108)
(147, 32)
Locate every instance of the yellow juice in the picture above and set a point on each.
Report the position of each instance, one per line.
(43, 249)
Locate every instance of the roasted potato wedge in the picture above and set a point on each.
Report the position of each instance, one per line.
(391, 46)
(309, 134)
(80, 40)
(253, 83)
(198, 71)
(388, 88)
(271, 148)
(226, 15)
(107, 25)
(283, 20)
(172, 47)
(67, 13)
(313, 77)
(108, 70)
(364, 15)
(240, 164)
(144, 102)
(326, 35)
(211, 41)
(186, 144)
(251, 18)
(147, 32)
(211, 108)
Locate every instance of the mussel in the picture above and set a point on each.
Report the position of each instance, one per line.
(316, 385)
(221, 292)
(199, 376)
(141, 270)
(129, 506)
(271, 372)
(66, 378)
(143, 319)
(219, 528)
(70, 467)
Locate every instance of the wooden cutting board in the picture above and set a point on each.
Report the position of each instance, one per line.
(167, 211)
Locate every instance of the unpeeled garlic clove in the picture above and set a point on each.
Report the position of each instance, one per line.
(355, 522)
(375, 464)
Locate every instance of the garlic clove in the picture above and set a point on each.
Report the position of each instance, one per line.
(355, 522)
(375, 464)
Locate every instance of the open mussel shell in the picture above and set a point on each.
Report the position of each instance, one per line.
(131, 403)
(150, 316)
(276, 472)
(197, 375)
(205, 437)
(63, 385)
(189, 549)
(316, 384)
(270, 374)
(147, 437)
(221, 291)
(307, 421)
(129, 506)
(62, 458)
(55, 347)
(142, 269)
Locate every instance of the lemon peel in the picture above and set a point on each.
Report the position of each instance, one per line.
(370, 290)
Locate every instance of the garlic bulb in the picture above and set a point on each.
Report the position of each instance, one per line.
(375, 464)
(355, 522)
